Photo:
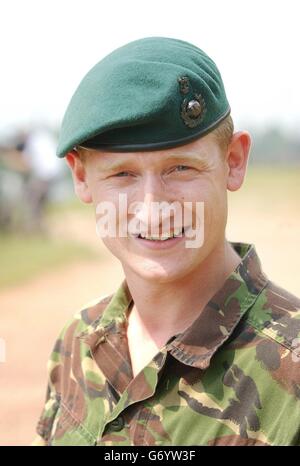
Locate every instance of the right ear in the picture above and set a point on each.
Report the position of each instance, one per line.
(79, 177)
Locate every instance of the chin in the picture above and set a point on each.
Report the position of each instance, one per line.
(158, 272)
(159, 269)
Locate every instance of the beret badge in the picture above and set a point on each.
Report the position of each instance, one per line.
(193, 108)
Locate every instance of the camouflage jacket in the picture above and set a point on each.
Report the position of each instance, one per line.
(231, 378)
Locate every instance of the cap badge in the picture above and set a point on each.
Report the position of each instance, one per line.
(193, 108)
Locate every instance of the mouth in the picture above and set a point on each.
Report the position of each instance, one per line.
(161, 241)
(164, 237)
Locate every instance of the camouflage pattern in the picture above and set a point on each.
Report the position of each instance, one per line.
(232, 378)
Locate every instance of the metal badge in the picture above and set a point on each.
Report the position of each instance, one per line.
(193, 111)
(193, 108)
(184, 84)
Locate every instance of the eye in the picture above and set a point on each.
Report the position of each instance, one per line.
(120, 174)
(182, 168)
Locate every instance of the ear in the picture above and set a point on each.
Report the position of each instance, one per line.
(237, 159)
(79, 177)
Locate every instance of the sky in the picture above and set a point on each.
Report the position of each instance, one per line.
(48, 46)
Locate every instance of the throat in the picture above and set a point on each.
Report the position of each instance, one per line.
(141, 353)
(141, 346)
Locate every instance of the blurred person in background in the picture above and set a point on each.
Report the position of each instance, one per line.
(44, 171)
(14, 172)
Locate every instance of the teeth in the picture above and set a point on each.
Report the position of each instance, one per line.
(156, 238)
(178, 232)
(164, 237)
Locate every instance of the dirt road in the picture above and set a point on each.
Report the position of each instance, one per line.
(31, 316)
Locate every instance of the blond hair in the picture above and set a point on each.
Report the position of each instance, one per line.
(224, 132)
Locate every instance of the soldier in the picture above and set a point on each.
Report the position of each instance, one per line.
(197, 346)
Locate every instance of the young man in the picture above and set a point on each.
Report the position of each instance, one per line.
(197, 346)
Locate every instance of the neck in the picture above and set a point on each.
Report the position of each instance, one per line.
(161, 310)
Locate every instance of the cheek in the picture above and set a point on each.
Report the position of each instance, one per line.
(106, 200)
(214, 196)
(216, 213)
(114, 246)
(100, 194)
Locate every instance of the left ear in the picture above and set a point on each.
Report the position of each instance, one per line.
(237, 159)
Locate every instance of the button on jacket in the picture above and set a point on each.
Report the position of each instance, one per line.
(231, 378)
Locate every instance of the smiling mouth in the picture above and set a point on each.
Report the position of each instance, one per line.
(165, 237)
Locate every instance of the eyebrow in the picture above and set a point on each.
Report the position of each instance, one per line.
(192, 157)
(189, 156)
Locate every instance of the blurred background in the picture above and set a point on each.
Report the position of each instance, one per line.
(51, 262)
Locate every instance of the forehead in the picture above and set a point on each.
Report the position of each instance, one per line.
(202, 149)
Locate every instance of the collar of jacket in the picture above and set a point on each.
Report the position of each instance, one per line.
(216, 322)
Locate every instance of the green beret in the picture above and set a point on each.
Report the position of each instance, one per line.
(153, 93)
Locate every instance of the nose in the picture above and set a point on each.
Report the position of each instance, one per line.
(151, 215)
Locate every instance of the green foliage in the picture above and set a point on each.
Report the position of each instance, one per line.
(23, 257)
